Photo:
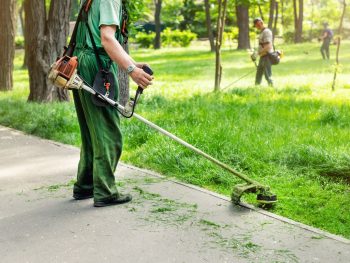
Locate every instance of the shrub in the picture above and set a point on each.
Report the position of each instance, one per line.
(288, 37)
(231, 34)
(315, 33)
(308, 35)
(145, 40)
(177, 38)
(19, 42)
(170, 38)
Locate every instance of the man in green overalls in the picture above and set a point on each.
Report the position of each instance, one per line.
(99, 126)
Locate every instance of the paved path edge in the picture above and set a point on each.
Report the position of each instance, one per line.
(223, 197)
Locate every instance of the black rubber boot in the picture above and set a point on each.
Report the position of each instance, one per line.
(83, 195)
(120, 199)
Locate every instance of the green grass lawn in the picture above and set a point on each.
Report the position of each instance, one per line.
(293, 137)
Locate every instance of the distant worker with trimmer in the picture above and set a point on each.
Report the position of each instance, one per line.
(100, 55)
(326, 39)
(265, 47)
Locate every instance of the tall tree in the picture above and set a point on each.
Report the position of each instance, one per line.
(242, 13)
(340, 31)
(7, 43)
(220, 32)
(261, 12)
(124, 83)
(157, 21)
(282, 12)
(209, 27)
(45, 35)
(276, 20)
(271, 13)
(298, 8)
(135, 10)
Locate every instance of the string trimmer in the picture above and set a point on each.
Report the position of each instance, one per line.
(63, 74)
(253, 57)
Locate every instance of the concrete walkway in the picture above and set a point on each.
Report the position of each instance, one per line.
(166, 222)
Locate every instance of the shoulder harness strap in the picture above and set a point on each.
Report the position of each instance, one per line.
(68, 51)
(124, 28)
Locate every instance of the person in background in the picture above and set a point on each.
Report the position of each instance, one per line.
(326, 41)
(265, 47)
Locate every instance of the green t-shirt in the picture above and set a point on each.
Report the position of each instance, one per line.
(104, 12)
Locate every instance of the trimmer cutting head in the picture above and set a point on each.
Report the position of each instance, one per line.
(265, 198)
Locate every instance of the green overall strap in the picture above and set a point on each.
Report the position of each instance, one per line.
(98, 59)
(73, 41)
(124, 28)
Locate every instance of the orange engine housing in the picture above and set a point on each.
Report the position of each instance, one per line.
(66, 66)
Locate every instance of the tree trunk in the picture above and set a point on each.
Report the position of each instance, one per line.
(298, 20)
(261, 13)
(21, 17)
(35, 19)
(58, 30)
(295, 12)
(282, 13)
(123, 80)
(209, 27)
(271, 13)
(220, 30)
(157, 21)
(312, 19)
(275, 22)
(242, 13)
(340, 30)
(7, 43)
(45, 38)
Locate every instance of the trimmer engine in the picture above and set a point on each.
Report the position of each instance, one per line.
(63, 72)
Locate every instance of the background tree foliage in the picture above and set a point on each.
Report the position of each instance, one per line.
(289, 22)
